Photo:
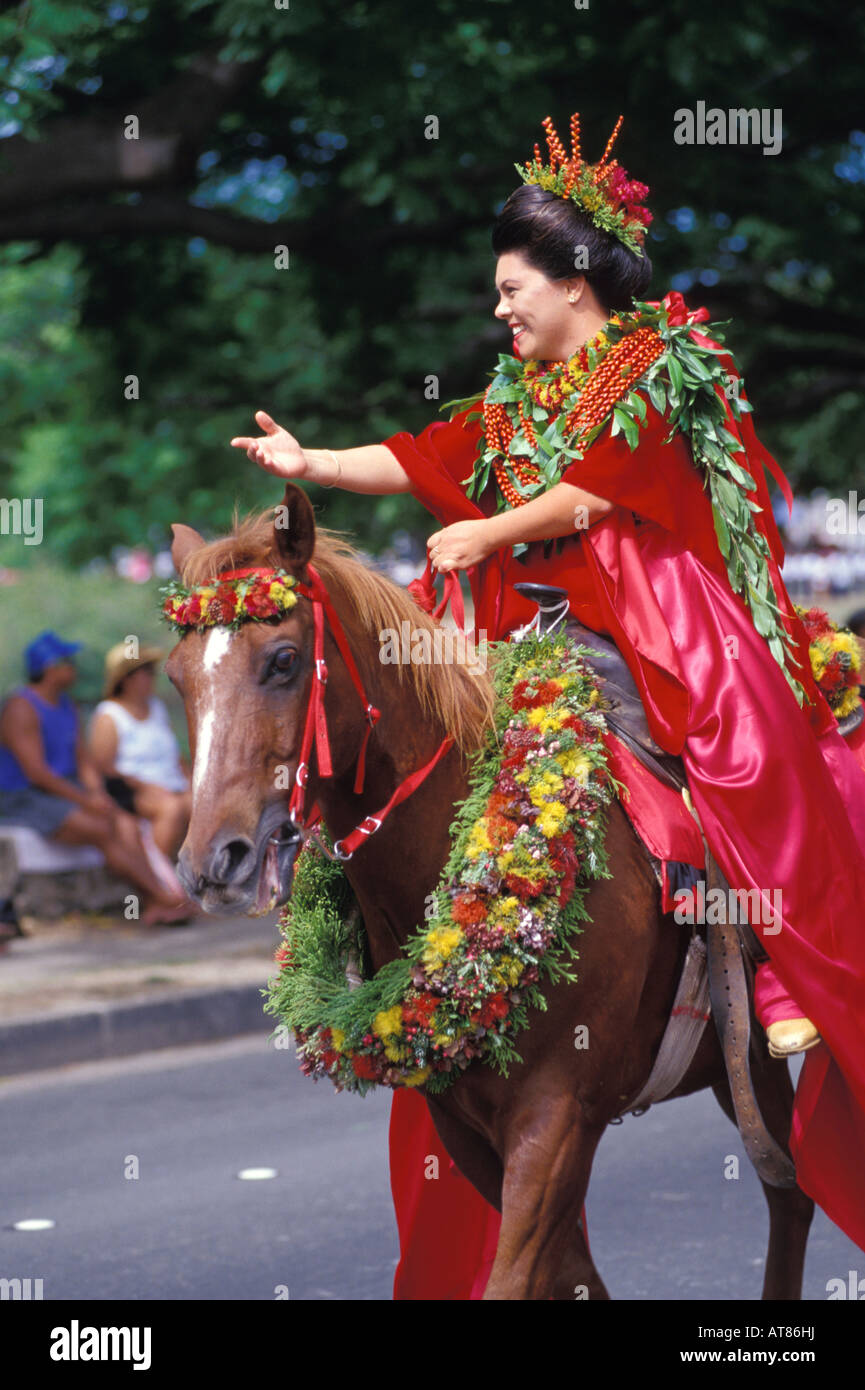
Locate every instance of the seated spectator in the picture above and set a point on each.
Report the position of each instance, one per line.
(133, 745)
(49, 782)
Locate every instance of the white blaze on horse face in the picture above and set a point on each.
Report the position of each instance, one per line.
(202, 751)
(215, 648)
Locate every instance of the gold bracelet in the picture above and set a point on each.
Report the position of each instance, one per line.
(338, 468)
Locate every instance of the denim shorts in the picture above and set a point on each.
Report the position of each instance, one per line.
(35, 809)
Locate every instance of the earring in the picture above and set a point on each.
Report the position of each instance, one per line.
(572, 299)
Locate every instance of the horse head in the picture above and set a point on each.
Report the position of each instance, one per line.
(244, 691)
(247, 692)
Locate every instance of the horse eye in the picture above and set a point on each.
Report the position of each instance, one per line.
(284, 660)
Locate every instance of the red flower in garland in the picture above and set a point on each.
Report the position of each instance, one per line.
(190, 611)
(523, 887)
(491, 1010)
(260, 605)
(500, 830)
(573, 721)
(500, 805)
(367, 1068)
(420, 1010)
(543, 694)
(222, 606)
(468, 910)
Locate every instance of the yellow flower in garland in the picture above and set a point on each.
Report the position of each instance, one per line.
(478, 841)
(508, 971)
(388, 1022)
(394, 1053)
(441, 943)
(551, 819)
(547, 720)
(282, 593)
(574, 763)
(849, 643)
(547, 786)
(418, 1078)
(848, 702)
(504, 911)
(818, 661)
(337, 1037)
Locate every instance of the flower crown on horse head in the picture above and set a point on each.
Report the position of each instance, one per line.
(603, 191)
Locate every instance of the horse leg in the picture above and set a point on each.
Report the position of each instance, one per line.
(790, 1209)
(542, 1251)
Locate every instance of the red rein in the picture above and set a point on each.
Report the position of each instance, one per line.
(315, 727)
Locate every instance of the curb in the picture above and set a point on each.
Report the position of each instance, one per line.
(110, 1031)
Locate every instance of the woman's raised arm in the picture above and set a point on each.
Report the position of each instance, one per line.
(371, 469)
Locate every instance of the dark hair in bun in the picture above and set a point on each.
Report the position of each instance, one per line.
(548, 230)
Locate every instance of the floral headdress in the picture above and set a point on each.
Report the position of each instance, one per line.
(603, 191)
(236, 596)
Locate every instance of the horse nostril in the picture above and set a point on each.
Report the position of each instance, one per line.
(229, 859)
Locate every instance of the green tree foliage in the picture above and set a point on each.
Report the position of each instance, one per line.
(307, 127)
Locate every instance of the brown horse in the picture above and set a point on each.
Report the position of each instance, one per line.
(526, 1142)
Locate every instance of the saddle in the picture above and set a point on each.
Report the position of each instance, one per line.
(718, 969)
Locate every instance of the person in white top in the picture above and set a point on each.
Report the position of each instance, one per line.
(134, 746)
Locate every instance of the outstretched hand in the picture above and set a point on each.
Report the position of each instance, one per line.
(276, 451)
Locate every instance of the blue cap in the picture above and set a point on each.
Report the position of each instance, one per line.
(46, 650)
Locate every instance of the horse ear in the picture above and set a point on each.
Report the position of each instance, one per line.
(186, 541)
(294, 529)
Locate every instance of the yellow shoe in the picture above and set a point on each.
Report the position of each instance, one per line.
(791, 1035)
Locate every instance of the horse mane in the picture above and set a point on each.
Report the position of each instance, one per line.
(459, 701)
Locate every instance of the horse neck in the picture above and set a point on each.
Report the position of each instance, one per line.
(397, 867)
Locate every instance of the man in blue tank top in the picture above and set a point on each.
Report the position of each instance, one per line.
(49, 782)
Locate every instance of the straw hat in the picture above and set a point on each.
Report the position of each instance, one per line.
(118, 665)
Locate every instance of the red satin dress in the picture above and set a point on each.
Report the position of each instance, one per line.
(780, 795)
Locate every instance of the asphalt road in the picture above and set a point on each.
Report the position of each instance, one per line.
(663, 1220)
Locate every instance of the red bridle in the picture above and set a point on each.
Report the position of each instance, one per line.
(315, 733)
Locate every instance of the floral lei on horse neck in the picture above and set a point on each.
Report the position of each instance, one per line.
(536, 422)
(502, 916)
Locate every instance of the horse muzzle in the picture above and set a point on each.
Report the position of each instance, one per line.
(240, 875)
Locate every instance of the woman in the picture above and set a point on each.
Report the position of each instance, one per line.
(135, 749)
(49, 782)
(776, 789)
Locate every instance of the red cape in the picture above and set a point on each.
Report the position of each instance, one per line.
(780, 796)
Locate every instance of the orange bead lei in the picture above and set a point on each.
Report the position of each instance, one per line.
(586, 395)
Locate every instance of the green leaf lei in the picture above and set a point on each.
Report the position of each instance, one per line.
(687, 383)
(524, 843)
